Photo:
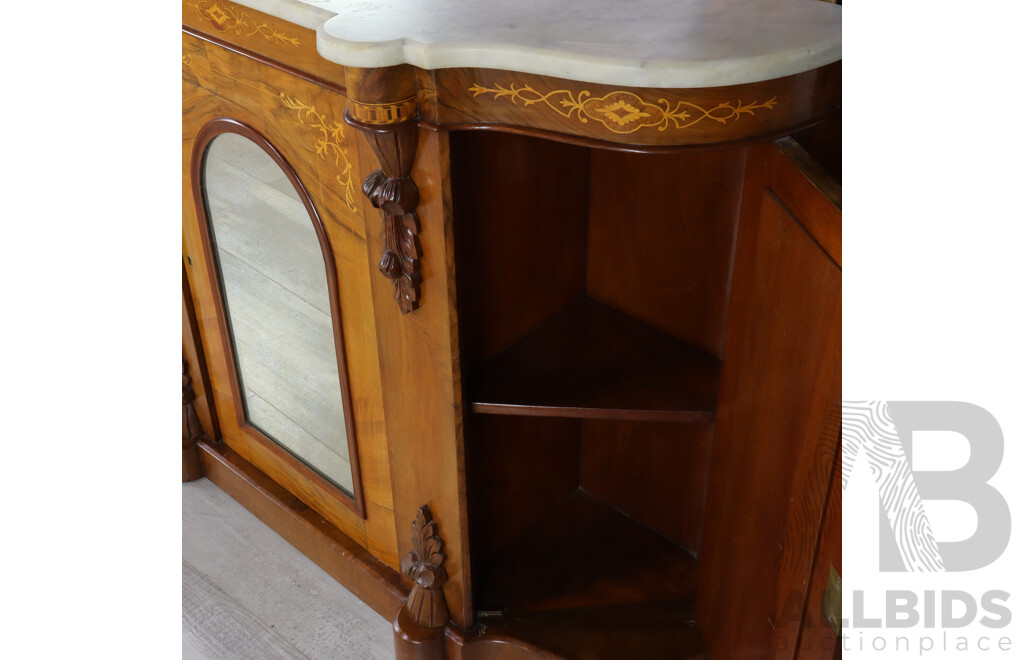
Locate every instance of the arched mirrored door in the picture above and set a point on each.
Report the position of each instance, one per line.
(282, 318)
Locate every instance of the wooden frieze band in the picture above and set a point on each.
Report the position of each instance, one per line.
(623, 111)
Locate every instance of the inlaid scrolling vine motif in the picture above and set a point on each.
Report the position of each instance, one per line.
(328, 143)
(623, 112)
(227, 18)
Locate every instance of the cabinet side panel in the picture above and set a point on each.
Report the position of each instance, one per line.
(192, 352)
(661, 236)
(776, 430)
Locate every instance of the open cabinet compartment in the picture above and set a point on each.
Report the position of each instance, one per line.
(593, 289)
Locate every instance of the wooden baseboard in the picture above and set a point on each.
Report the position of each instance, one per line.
(376, 584)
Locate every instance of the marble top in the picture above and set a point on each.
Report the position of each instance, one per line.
(639, 43)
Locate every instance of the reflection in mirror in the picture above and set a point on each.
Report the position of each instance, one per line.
(276, 297)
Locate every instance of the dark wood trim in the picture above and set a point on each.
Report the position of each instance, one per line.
(262, 59)
(342, 558)
(206, 135)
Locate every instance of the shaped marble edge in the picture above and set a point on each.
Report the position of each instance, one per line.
(642, 43)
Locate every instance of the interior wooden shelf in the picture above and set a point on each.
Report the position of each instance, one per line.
(587, 581)
(584, 553)
(649, 631)
(591, 361)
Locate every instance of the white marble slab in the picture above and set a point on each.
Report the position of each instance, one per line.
(641, 43)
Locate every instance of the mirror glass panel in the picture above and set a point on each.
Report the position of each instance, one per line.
(274, 286)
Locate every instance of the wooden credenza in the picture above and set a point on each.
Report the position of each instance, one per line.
(584, 335)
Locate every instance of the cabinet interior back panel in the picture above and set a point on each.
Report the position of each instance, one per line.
(661, 234)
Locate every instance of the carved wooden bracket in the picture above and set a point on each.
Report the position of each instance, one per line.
(392, 190)
(191, 428)
(425, 567)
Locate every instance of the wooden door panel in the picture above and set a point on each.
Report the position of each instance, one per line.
(303, 121)
(777, 430)
(818, 641)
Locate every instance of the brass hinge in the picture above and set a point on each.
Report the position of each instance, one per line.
(832, 606)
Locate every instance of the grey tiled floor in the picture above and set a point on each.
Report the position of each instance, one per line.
(247, 594)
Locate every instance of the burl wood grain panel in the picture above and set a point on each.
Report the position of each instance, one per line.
(262, 34)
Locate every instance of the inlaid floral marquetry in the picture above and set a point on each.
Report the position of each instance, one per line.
(624, 112)
(226, 17)
(328, 144)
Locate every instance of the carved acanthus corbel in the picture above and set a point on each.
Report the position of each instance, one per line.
(382, 105)
(393, 191)
(425, 567)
